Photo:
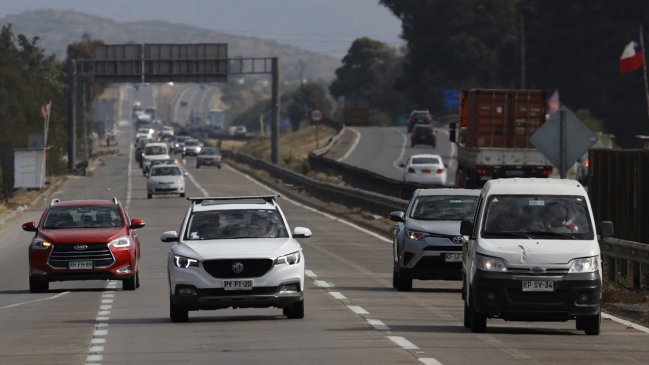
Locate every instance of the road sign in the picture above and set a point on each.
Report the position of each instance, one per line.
(452, 99)
(578, 139)
(316, 115)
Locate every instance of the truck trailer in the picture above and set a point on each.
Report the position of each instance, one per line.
(493, 135)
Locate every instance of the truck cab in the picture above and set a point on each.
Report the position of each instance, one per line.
(532, 255)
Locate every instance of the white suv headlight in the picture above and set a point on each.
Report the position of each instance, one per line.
(184, 262)
(585, 264)
(120, 242)
(291, 258)
(487, 263)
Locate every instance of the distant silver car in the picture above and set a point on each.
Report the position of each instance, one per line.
(209, 156)
(165, 179)
(192, 147)
(427, 242)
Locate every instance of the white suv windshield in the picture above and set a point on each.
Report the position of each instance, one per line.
(443, 208)
(231, 224)
(537, 216)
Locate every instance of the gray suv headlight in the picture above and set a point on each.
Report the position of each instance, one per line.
(184, 262)
(416, 235)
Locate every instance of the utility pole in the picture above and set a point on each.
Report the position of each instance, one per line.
(274, 139)
(522, 52)
(72, 125)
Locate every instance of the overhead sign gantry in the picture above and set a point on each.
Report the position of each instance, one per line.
(202, 62)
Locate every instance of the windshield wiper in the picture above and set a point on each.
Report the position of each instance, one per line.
(510, 234)
(553, 234)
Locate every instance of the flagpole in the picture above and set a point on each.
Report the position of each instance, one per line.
(644, 68)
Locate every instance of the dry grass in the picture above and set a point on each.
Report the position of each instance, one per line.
(612, 293)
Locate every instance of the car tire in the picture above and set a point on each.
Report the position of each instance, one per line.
(590, 324)
(412, 144)
(130, 283)
(467, 316)
(137, 279)
(219, 166)
(296, 311)
(198, 166)
(38, 286)
(177, 313)
(477, 321)
(149, 196)
(395, 276)
(182, 195)
(404, 280)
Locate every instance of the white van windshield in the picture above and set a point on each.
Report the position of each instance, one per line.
(537, 216)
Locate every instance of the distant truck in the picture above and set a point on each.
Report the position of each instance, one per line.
(493, 135)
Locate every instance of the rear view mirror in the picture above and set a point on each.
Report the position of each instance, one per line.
(466, 228)
(607, 229)
(397, 216)
(301, 232)
(29, 227)
(169, 236)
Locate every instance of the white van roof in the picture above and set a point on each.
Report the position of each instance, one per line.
(523, 186)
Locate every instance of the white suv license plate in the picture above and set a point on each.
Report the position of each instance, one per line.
(453, 257)
(538, 285)
(237, 284)
(80, 265)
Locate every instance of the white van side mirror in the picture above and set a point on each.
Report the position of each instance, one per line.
(607, 229)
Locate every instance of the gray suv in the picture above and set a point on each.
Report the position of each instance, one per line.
(427, 243)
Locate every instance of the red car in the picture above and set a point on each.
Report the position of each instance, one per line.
(84, 240)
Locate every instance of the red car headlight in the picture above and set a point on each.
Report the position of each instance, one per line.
(121, 242)
(40, 244)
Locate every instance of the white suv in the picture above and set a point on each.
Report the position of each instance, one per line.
(235, 252)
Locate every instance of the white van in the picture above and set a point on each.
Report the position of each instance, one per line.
(532, 255)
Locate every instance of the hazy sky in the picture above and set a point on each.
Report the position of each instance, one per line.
(324, 26)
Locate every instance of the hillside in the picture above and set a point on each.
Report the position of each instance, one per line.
(57, 29)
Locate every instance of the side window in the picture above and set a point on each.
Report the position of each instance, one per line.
(476, 217)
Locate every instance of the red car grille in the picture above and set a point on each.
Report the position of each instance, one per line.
(98, 253)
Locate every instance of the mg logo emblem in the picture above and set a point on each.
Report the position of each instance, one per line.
(80, 247)
(237, 267)
(458, 240)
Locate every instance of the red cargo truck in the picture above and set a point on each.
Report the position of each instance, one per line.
(493, 135)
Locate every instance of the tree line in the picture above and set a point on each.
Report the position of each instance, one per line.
(568, 45)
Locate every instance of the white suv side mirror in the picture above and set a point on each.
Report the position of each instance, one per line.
(301, 232)
(169, 236)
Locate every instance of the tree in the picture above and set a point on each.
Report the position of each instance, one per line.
(305, 98)
(368, 74)
(455, 44)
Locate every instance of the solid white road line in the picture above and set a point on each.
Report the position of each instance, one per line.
(351, 149)
(34, 301)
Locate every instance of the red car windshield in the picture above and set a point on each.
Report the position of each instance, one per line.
(83, 217)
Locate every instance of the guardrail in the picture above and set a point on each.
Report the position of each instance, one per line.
(371, 202)
(625, 262)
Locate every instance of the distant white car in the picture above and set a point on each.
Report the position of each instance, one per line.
(235, 252)
(427, 169)
(165, 179)
(154, 151)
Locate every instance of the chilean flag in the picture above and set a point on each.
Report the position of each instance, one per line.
(632, 57)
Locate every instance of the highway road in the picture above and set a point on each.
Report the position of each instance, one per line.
(353, 316)
(383, 149)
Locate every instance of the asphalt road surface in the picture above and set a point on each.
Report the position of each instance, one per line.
(352, 314)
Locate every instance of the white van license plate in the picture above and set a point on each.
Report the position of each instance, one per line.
(453, 257)
(538, 285)
(237, 284)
